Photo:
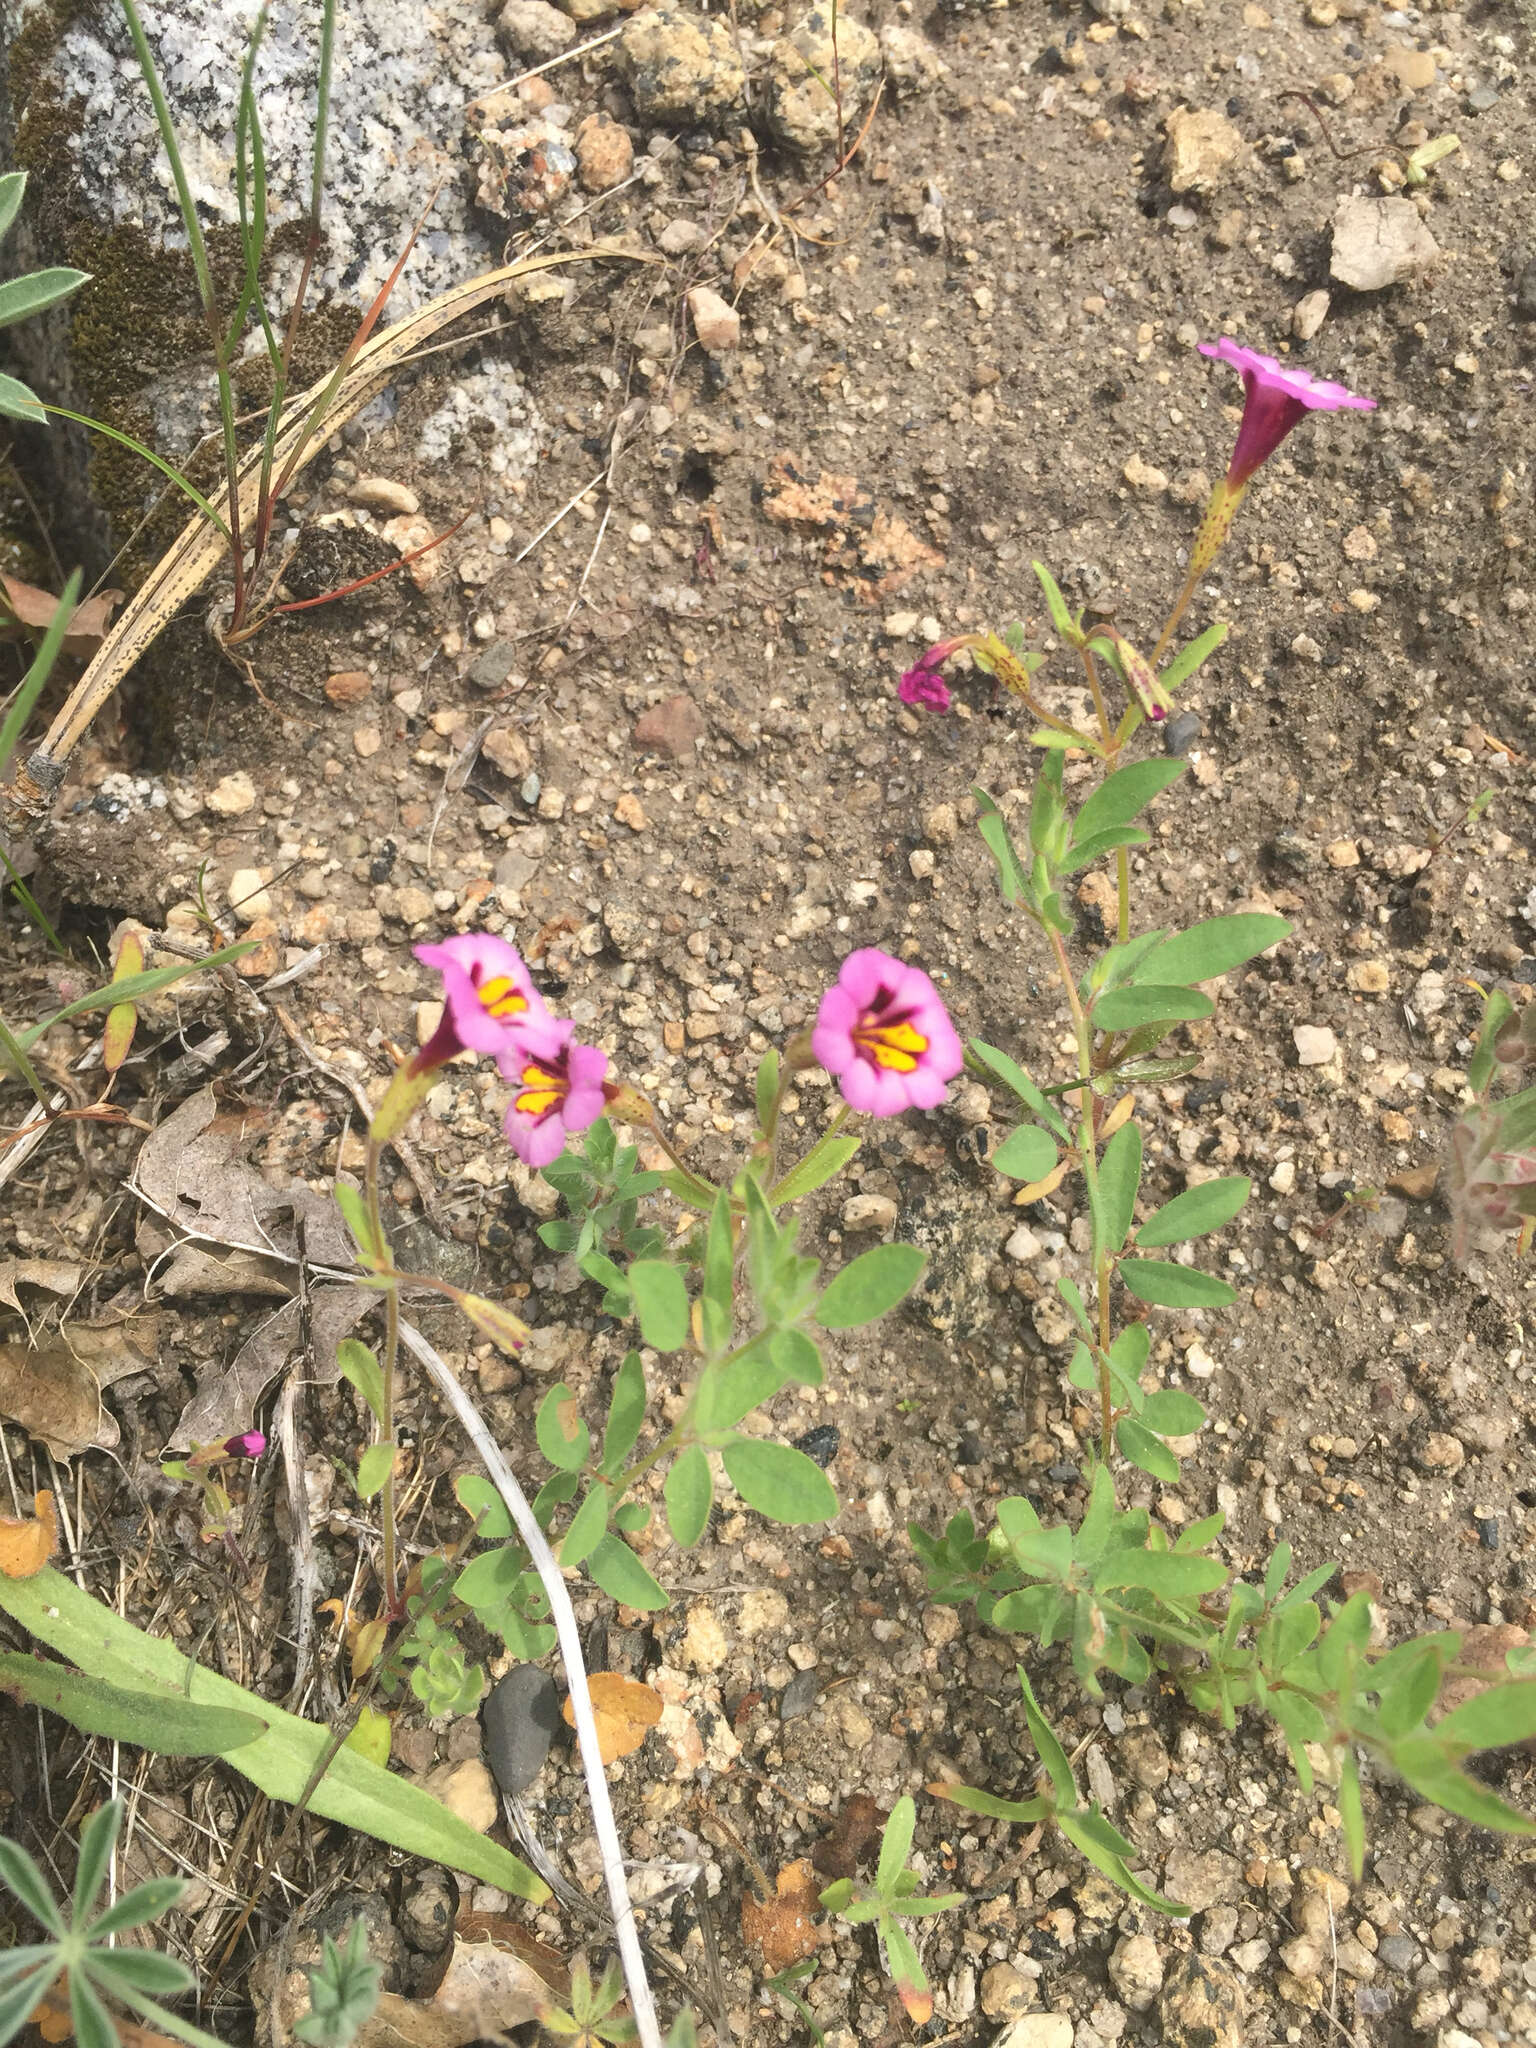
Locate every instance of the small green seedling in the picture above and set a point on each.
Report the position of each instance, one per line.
(80, 1949)
(343, 1991)
(890, 1899)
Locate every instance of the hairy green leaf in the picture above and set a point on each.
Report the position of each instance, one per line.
(563, 1437)
(1027, 1154)
(1164, 1285)
(1119, 1178)
(1214, 947)
(614, 1567)
(1139, 1003)
(688, 1492)
(870, 1286)
(661, 1303)
(780, 1482)
(1194, 1213)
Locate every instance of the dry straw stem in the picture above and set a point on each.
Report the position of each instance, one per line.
(199, 548)
(563, 1615)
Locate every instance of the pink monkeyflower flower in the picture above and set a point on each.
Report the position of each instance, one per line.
(249, 1444)
(557, 1088)
(884, 1035)
(1275, 396)
(922, 683)
(924, 686)
(488, 997)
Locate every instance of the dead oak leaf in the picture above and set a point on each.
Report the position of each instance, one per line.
(27, 1545)
(53, 1390)
(783, 1930)
(34, 611)
(851, 1837)
(625, 1710)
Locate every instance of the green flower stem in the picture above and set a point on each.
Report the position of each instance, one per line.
(1181, 606)
(701, 1190)
(1088, 1148)
(387, 1369)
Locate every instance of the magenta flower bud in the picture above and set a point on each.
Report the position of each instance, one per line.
(488, 995)
(249, 1444)
(558, 1089)
(884, 1035)
(923, 686)
(1275, 397)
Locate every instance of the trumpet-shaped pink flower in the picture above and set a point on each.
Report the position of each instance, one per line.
(884, 1035)
(925, 686)
(922, 683)
(488, 998)
(557, 1089)
(249, 1444)
(1275, 396)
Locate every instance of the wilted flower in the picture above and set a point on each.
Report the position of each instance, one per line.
(884, 1034)
(1275, 396)
(558, 1089)
(922, 683)
(488, 996)
(1493, 1169)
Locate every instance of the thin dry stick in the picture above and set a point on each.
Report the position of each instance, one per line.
(563, 1614)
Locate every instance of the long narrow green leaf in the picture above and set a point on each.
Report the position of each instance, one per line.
(135, 988)
(155, 1717)
(35, 293)
(1189, 658)
(357, 1793)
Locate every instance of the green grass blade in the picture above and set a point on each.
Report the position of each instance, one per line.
(36, 677)
(159, 462)
(134, 988)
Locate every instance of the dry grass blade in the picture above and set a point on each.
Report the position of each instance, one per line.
(198, 550)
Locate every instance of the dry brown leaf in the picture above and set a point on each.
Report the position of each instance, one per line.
(35, 609)
(850, 1838)
(784, 1932)
(54, 1389)
(626, 1711)
(225, 1405)
(59, 1276)
(869, 552)
(27, 1545)
(194, 1170)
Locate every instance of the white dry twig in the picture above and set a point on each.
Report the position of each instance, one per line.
(642, 2004)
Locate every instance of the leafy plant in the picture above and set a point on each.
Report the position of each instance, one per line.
(343, 1991)
(80, 1949)
(21, 298)
(892, 1898)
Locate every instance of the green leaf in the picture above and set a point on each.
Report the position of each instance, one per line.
(1497, 1011)
(1163, 1572)
(661, 1303)
(1139, 1003)
(1048, 1748)
(631, 1516)
(1148, 1453)
(12, 186)
(1196, 1212)
(135, 987)
(993, 828)
(1214, 947)
(781, 1483)
(563, 1437)
(1047, 821)
(280, 1762)
(1119, 1178)
(1192, 655)
(825, 1160)
(146, 1970)
(1423, 1762)
(478, 1498)
(796, 1356)
(589, 1525)
(896, 1844)
(688, 1492)
(1078, 1830)
(1408, 1690)
(1022, 1812)
(870, 1286)
(354, 1213)
(361, 1369)
(1013, 1076)
(1199, 1534)
(615, 1568)
(373, 1468)
(1027, 1154)
(1045, 1553)
(1164, 1285)
(717, 1302)
(767, 1091)
(734, 1387)
(1086, 851)
(1491, 1719)
(1056, 604)
(1277, 1568)
(24, 296)
(1120, 796)
(1170, 1412)
(626, 1414)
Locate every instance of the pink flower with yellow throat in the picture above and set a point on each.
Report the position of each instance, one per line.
(557, 1088)
(884, 1035)
(488, 998)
